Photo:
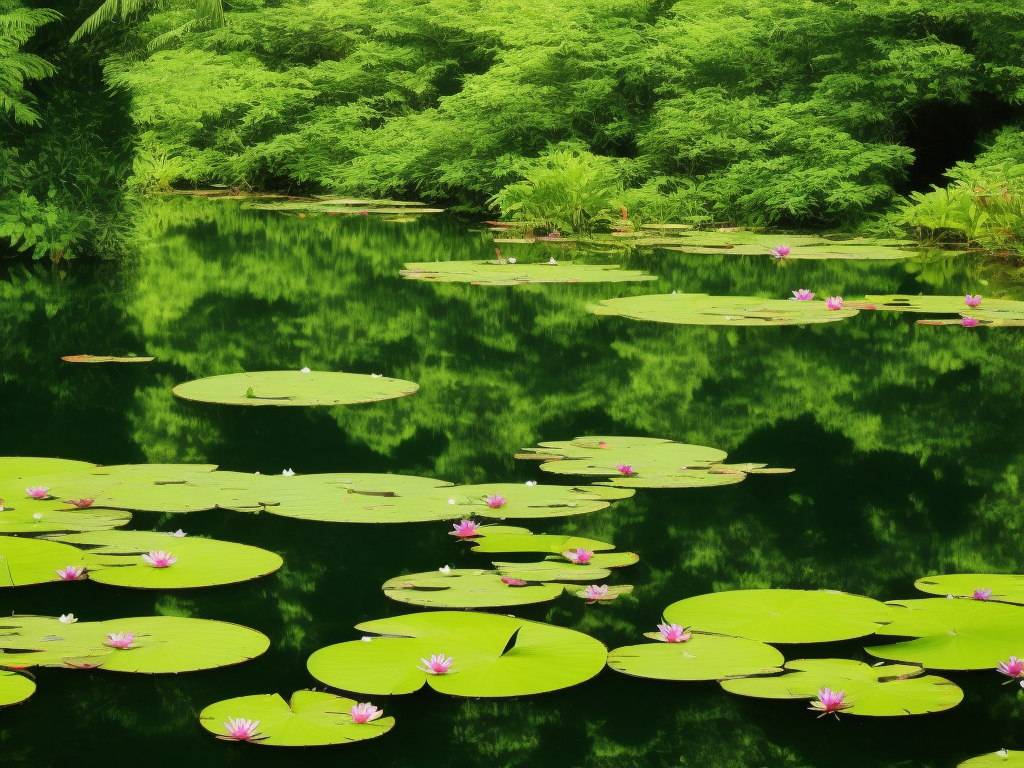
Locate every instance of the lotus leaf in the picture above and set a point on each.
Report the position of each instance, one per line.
(294, 388)
(115, 557)
(493, 656)
(781, 615)
(701, 309)
(15, 687)
(310, 719)
(886, 691)
(702, 657)
(105, 359)
(555, 569)
(527, 501)
(1004, 758)
(30, 561)
(494, 273)
(1006, 588)
(954, 634)
(162, 644)
(466, 588)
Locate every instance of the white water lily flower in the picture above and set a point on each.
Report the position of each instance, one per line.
(37, 516)
(67, 618)
(1002, 752)
(304, 370)
(530, 483)
(376, 375)
(451, 501)
(179, 534)
(552, 260)
(255, 473)
(512, 260)
(446, 570)
(288, 473)
(366, 638)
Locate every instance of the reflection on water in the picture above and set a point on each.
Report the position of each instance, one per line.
(908, 443)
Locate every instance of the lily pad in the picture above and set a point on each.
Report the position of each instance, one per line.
(953, 634)
(494, 273)
(499, 538)
(310, 719)
(294, 388)
(15, 687)
(521, 501)
(887, 691)
(555, 569)
(493, 656)
(781, 615)
(21, 520)
(1004, 758)
(31, 561)
(702, 657)
(115, 557)
(1006, 588)
(15, 467)
(105, 359)
(467, 588)
(701, 309)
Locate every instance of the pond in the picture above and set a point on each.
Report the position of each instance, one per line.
(907, 443)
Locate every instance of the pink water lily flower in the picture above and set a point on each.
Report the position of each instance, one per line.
(241, 729)
(580, 556)
(513, 582)
(673, 633)
(122, 640)
(780, 251)
(625, 469)
(71, 572)
(595, 592)
(829, 702)
(365, 713)
(603, 445)
(972, 301)
(463, 529)
(1012, 668)
(803, 295)
(969, 322)
(38, 491)
(160, 559)
(496, 501)
(982, 594)
(80, 503)
(438, 664)
(834, 302)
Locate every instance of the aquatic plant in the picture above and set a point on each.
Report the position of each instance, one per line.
(829, 702)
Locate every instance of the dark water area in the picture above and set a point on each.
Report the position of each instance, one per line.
(907, 440)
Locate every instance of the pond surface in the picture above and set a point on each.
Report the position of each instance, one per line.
(907, 440)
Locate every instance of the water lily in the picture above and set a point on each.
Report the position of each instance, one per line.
(829, 702)
(511, 259)
(595, 592)
(464, 529)
(496, 501)
(802, 295)
(1001, 752)
(529, 484)
(71, 573)
(982, 594)
(603, 445)
(972, 301)
(365, 713)
(834, 302)
(552, 260)
(673, 633)
(513, 582)
(120, 640)
(37, 516)
(438, 664)
(160, 559)
(179, 534)
(304, 370)
(69, 618)
(288, 473)
(451, 501)
(780, 251)
(1, 505)
(445, 570)
(580, 556)
(1012, 668)
(38, 491)
(625, 469)
(241, 729)
(969, 322)
(80, 503)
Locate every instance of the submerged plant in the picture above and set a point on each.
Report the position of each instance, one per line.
(829, 702)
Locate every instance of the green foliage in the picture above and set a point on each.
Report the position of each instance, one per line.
(16, 66)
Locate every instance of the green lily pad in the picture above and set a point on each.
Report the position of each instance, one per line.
(15, 687)
(953, 634)
(115, 557)
(467, 588)
(887, 691)
(162, 644)
(310, 719)
(21, 520)
(493, 273)
(781, 615)
(31, 561)
(702, 657)
(499, 538)
(294, 388)
(555, 569)
(493, 656)
(1004, 758)
(527, 501)
(1006, 588)
(16, 467)
(701, 309)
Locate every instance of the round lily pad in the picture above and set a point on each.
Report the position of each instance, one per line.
(885, 691)
(1003, 758)
(310, 719)
(554, 570)
(953, 634)
(701, 309)
(22, 520)
(521, 501)
(495, 273)
(702, 657)
(115, 557)
(493, 656)
(14, 467)
(1006, 588)
(294, 388)
(31, 561)
(15, 687)
(466, 588)
(499, 538)
(781, 615)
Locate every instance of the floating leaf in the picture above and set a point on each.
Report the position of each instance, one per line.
(494, 656)
(1006, 588)
(467, 588)
(294, 388)
(12, 468)
(310, 719)
(500, 538)
(21, 520)
(886, 691)
(15, 687)
(528, 501)
(114, 557)
(31, 561)
(1004, 758)
(555, 569)
(702, 657)
(953, 634)
(701, 309)
(781, 615)
(105, 359)
(493, 273)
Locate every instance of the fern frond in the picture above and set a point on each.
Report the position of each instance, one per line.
(105, 13)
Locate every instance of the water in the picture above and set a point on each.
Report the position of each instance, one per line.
(908, 444)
